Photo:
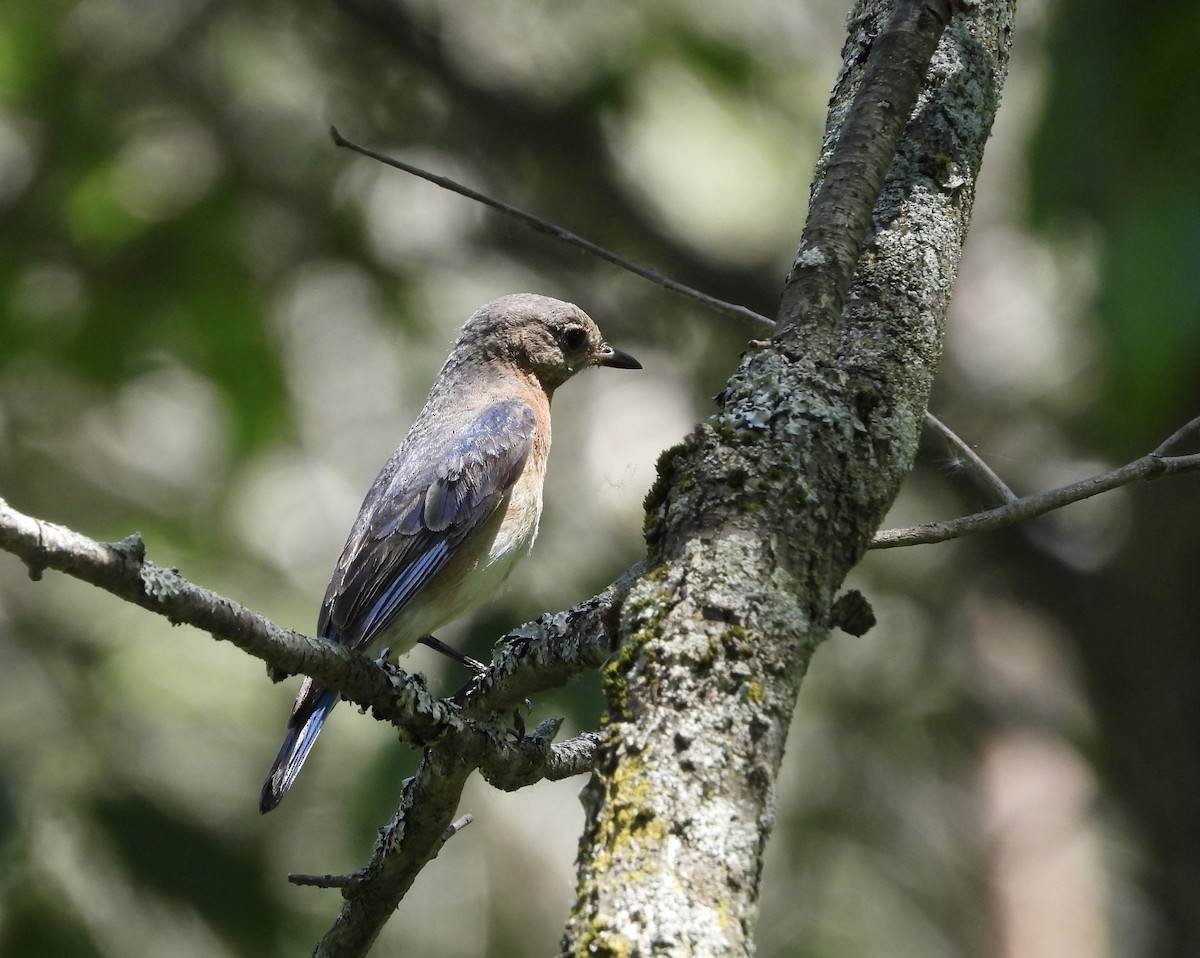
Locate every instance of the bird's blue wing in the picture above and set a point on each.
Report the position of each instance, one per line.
(425, 503)
(419, 511)
(405, 585)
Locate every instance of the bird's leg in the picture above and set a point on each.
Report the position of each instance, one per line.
(450, 651)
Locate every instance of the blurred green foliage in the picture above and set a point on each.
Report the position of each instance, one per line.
(1119, 153)
(214, 326)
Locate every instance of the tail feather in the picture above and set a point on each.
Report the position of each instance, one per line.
(312, 707)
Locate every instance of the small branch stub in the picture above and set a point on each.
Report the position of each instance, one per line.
(322, 881)
(852, 613)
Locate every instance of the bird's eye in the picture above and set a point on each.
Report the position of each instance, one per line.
(574, 337)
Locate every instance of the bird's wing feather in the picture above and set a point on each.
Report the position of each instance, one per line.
(417, 514)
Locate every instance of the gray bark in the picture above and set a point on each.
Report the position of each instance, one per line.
(757, 517)
(751, 528)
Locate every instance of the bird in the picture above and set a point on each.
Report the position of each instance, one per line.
(458, 503)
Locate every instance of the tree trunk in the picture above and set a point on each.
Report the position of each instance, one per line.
(756, 519)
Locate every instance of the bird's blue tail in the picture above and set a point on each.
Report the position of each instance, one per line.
(312, 706)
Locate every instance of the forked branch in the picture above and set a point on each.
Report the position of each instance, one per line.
(1154, 465)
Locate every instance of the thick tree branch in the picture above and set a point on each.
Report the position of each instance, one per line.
(756, 519)
(540, 655)
(469, 731)
(839, 215)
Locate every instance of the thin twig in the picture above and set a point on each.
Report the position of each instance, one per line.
(983, 472)
(986, 475)
(1178, 436)
(1152, 466)
(1015, 509)
(558, 232)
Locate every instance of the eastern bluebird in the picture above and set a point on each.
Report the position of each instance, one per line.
(457, 505)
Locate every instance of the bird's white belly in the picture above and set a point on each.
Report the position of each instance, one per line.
(512, 543)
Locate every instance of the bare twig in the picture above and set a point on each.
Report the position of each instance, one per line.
(1187, 429)
(986, 476)
(1152, 466)
(558, 232)
(981, 470)
(452, 829)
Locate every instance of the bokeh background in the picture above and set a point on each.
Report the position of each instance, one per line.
(214, 327)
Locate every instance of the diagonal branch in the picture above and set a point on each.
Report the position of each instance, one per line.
(839, 214)
(417, 833)
(541, 655)
(405, 846)
(996, 487)
(1151, 466)
(986, 476)
(554, 230)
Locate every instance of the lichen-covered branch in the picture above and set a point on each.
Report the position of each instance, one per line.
(757, 517)
(404, 847)
(532, 658)
(537, 656)
(420, 827)
(851, 174)
(540, 655)
(123, 569)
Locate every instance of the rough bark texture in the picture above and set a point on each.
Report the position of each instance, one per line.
(752, 527)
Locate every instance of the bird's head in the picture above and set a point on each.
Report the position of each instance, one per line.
(551, 339)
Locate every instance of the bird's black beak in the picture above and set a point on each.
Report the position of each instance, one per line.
(617, 359)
